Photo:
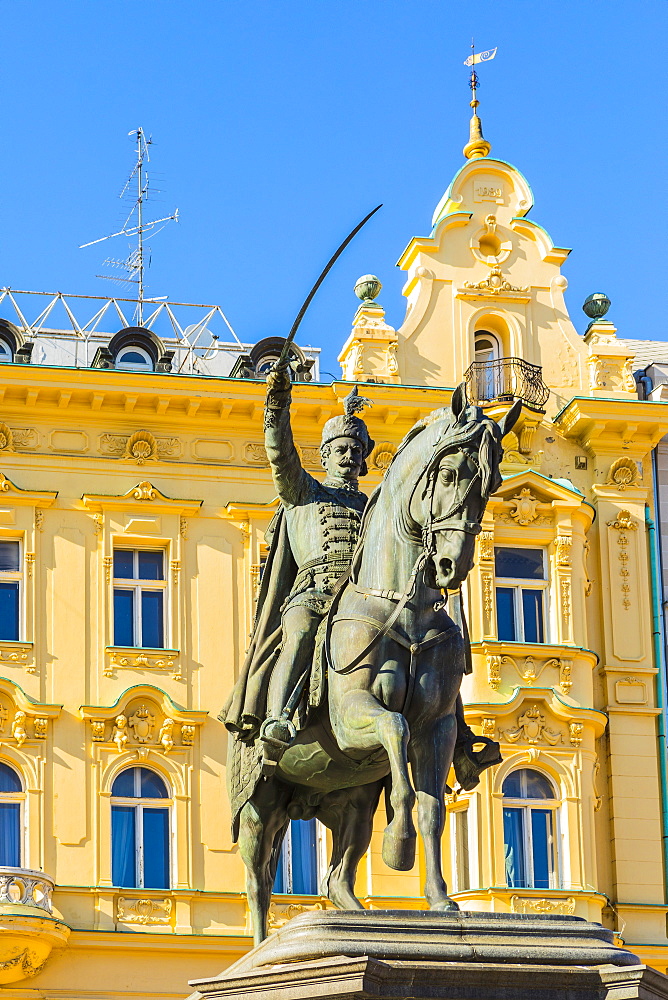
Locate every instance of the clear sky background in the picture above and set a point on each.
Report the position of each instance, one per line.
(277, 124)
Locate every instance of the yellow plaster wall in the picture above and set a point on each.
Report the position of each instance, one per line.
(71, 487)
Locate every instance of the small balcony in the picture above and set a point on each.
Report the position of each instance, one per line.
(506, 379)
(28, 930)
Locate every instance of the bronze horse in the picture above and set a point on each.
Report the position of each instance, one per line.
(395, 661)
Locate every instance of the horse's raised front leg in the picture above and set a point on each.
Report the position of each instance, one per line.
(349, 815)
(361, 722)
(431, 753)
(262, 824)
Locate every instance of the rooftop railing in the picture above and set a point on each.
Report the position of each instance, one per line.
(506, 378)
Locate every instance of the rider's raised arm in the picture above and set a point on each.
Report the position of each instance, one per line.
(286, 467)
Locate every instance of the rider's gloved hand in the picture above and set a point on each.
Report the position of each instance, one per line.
(278, 378)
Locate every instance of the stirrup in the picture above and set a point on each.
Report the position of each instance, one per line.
(276, 736)
(469, 763)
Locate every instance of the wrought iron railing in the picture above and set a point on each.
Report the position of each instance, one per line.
(507, 378)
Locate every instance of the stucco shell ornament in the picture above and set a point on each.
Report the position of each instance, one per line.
(142, 447)
(381, 456)
(623, 472)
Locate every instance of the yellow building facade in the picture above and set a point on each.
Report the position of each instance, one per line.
(133, 505)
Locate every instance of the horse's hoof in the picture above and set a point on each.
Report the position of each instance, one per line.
(446, 905)
(399, 852)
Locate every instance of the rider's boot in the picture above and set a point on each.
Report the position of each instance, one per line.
(469, 763)
(276, 735)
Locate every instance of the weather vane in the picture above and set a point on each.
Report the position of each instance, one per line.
(477, 146)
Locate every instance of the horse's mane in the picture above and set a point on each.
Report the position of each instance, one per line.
(469, 428)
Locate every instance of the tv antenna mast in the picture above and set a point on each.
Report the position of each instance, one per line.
(135, 225)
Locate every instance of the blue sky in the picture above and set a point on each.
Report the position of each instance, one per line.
(277, 124)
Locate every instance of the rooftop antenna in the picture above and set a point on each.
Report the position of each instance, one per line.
(135, 263)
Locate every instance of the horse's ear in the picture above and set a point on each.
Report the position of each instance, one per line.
(458, 401)
(509, 419)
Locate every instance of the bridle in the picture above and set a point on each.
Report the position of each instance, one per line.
(445, 522)
(427, 534)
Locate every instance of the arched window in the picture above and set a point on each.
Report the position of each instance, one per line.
(529, 824)
(6, 352)
(140, 855)
(488, 376)
(11, 802)
(298, 868)
(486, 346)
(134, 359)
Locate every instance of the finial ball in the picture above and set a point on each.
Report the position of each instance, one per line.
(367, 287)
(596, 305)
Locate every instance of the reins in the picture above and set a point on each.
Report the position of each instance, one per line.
(444, 523)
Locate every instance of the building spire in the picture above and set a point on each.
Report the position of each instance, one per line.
(477, 146)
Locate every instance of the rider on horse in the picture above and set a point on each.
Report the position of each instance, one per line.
(311, 546)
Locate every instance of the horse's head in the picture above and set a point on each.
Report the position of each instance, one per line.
(451, 495)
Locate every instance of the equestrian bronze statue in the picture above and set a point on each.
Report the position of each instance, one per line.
(354, 666)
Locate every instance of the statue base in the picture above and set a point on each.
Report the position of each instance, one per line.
(426, 955)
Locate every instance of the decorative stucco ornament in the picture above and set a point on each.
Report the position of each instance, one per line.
(532, 728)
(623, 472)
(526, 506)
(142, 723)
(141, 447)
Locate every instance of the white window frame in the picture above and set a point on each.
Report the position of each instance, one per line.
(133, 366)
(321, 860)
(21, 798)
(16, 576)
(460, 835)
(139, 804)
(4, 343)
(135, 584)
(517, 585)
(545, 805)
(493, 339)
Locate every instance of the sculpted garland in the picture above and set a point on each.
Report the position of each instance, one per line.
(354, 666)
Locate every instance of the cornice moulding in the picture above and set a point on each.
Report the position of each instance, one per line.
(563, 709)
(171, 399)
(24, 701)
(152, 693)
(245, 511)
(603, 424)
(537, 650)
(138, 497)
(11, 493)
(431, 244)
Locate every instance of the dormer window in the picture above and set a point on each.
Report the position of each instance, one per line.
(6, 352)
(134, 358)
(134, 349)
(264, 355)
(14, 348)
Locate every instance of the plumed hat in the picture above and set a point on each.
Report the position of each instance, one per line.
(347, 424)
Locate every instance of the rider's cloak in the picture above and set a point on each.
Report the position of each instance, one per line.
(246, 706)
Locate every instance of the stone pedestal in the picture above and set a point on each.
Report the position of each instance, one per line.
(424, 955)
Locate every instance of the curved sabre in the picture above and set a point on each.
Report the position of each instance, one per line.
(323, 274)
